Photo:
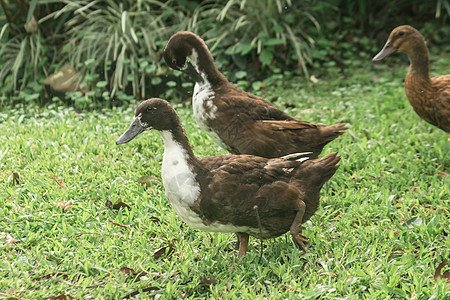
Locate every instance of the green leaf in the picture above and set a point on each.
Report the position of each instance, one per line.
(101, 84)
(290, 18)
(241, 74)
(156, 80)
(89, 62)
(274, 42)
(31, 10)
(150, 69)
(171, 83)
(246, 48)
(266, 57)
(256, 85)
(277, 28)
(231, 50)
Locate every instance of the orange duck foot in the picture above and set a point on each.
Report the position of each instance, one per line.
(299, 241)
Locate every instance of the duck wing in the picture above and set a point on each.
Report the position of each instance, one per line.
(233, 101)
(232, 187)
(442, 101)
(275, 138)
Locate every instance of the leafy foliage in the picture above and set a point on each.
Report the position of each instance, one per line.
(121, 43)
(117, 45)
(23, 59)
(261, 31)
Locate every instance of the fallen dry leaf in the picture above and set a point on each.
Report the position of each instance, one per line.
(208, 281)
(118, 205)
(15, 179)
(337, 217)
(163, 250)
(58, 182)
(62, 297)
(155, 220)
(65, 205)
(288, 105)
(50, 275)
(313, 79)
(10, 240)
(442, 173)
(446, 274)
(120, 225)
(375, 79)
(144, 290)
(128, 271)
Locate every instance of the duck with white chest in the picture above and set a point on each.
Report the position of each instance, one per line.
(238, 121)
(245, 194)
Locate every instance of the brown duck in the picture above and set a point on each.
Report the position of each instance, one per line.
(238, 121)
(429, 97)
(246, 194)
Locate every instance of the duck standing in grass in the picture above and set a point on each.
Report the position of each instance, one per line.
(429, 97)
(246, 194)
(240, 122)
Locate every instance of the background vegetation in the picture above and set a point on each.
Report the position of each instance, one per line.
(114, 47)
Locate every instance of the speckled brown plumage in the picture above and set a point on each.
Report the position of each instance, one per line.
(429, 97)
(243, 123)
(234, 190)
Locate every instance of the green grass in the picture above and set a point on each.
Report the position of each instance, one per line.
(381, 230)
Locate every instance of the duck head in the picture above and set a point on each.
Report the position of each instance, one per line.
(181, 51)
(151, 114)
(402, 39)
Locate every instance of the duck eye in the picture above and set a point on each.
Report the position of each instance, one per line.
(149, 109)
(400, 33)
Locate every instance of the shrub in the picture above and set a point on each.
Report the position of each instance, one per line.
(267, 33)
(117, 45)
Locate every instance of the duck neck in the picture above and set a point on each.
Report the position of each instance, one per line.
(176, 147)
(418, 57)
(204, 63)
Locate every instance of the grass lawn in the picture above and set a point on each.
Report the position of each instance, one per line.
(76, 220)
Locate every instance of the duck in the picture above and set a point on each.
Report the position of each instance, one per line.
(240, 122)
(243, 194)
(429, 97)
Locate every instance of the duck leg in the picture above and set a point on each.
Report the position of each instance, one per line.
(304, 239)
(243, 243)
(236, 247)
(297, 228)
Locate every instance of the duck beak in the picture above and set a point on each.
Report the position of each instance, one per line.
(192, 72)
(132, 132)
(387, 50)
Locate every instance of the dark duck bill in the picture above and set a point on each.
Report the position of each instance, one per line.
(387, 50)
(133, 131)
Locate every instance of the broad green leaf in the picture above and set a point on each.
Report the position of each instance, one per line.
(266, 56)
(274, 42)
(241, 74)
